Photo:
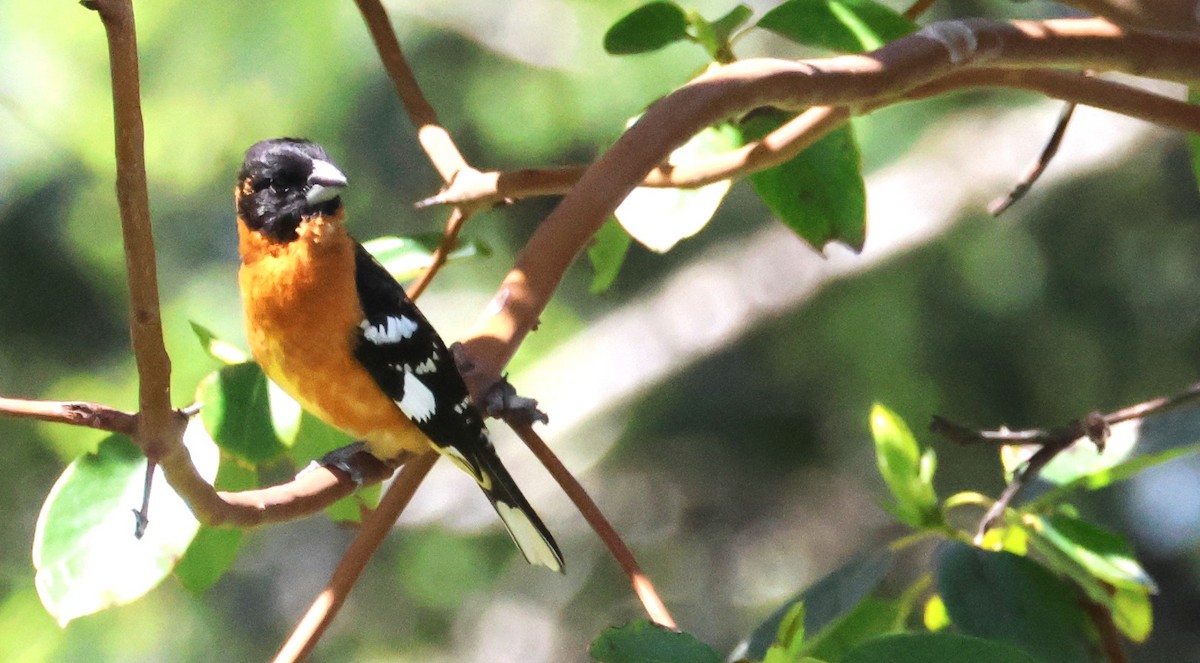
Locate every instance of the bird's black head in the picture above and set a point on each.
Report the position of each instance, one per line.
(283, 181)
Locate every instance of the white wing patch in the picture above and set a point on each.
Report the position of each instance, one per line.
(393, 330)
(426, 366)
(418, 403)
(527, 537)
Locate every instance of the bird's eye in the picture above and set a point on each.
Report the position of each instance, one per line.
(261, 183)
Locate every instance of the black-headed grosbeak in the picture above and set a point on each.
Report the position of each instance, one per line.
(332, 327)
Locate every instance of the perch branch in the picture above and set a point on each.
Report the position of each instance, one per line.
(792, 138)
(653, 605)
(898, 67)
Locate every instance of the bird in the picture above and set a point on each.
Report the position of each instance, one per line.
(328, 323)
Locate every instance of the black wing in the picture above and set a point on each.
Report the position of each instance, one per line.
(411, 364)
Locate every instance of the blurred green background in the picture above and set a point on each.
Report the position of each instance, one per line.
(735, 405)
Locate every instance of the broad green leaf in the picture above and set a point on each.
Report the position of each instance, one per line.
(819, 194)
(939, 647)
(828, 600)
(238, 413)
(84, 550)
(789, 641)
(849, 26)
(644, 642)
(1105, 555)
(714, 35)
(1133, 614)
(214, 549)
(406, 257)
(659, 218)
(216, 348)
(869, 619)
(607, 254)
(907, 470)
(647, 28)
(1001, 596)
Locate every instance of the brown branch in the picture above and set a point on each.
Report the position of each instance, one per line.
(434, 138)
(157, 429)
(375, 527)
(905, 64)
(642, 586)
(75, 413)
(792, 138)
(458, 218)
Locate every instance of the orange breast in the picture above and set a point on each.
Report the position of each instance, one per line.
(302, 319)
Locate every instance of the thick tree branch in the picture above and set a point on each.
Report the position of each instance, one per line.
(893, 70)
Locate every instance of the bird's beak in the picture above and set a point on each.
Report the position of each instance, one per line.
(324, 183)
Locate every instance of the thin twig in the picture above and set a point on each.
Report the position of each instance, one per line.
(374, 529)
(642, 586)
(1035, 170)
(1095, 426)
(458, 218)
(75, 413)
(434, 139)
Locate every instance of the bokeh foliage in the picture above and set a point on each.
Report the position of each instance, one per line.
(1084, 300)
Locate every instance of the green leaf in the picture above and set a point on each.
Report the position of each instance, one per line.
(659, 218)
(849, 26)
(1103, 478)
(714, 35)
(819, 194)
(644, 642)
(84, 550)
(1001, 596)
(940, 647)
(907, 471)
(828, 600)
(216, 348)
(607, 254)
(406, 257)
(1081, 458)
(214, 549)
(238, 412)
(869, 619)
(789, 641)
(1133, 614)
(647, 28)
(1105, 555)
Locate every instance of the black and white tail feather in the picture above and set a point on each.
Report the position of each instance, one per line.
(411, 364)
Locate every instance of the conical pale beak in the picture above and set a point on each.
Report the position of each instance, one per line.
(324, 183)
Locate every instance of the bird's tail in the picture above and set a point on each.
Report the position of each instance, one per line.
(523, 524)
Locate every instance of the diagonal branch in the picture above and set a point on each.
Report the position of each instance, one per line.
(903, 65)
